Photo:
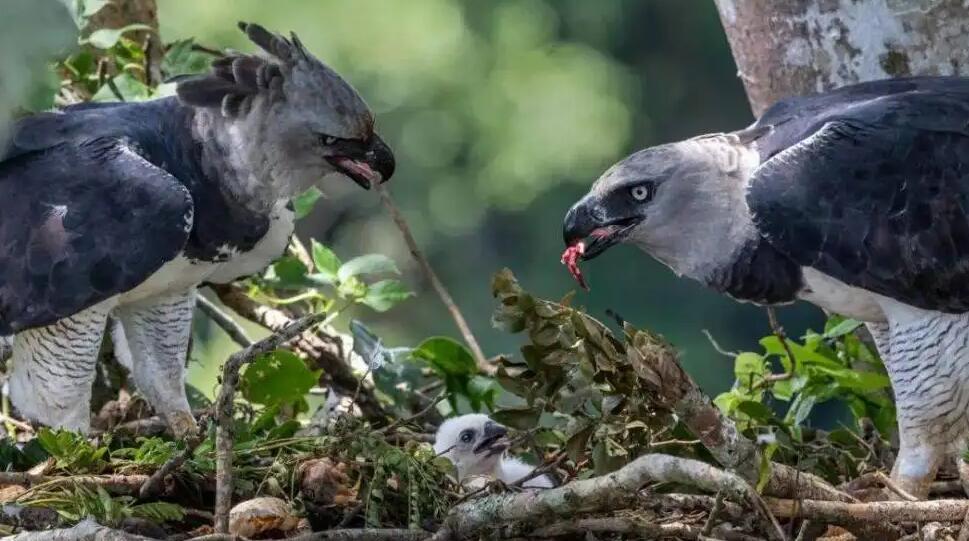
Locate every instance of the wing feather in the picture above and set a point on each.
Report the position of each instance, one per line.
(877, 196)
(80, 223)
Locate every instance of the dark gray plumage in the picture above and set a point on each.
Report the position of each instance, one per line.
(856, 200)
(121, 210)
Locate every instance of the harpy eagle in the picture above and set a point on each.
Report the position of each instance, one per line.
(123, 209)
(856, 200)
(476, 446)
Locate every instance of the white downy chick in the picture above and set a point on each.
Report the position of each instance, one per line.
(476, 446)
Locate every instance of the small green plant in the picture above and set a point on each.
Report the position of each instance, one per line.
(151, 453)
(833, 365)
(329, 281)
(73, 452)
(78, 502)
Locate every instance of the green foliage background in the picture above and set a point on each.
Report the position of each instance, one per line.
(502, 114)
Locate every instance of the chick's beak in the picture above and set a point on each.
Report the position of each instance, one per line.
(493, 439)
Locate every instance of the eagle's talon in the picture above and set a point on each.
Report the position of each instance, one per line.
(182, 425)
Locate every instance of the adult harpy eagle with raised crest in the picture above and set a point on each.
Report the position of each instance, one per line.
(123, 209)
(856, 200)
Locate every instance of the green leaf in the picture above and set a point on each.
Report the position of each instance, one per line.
(755, 410)
(384, 295)
(520, 418)
(303, 203)
(128, 88)
(278, 377)
(106, 38)
(290, 271)
(327, 263)
(748, 366)
(447, 356)
(181, 59)
(365, 265)
(844, 327)
(158, 511)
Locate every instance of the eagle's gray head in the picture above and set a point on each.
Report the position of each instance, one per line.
(287, 117)
(473, 443)
(683, 203)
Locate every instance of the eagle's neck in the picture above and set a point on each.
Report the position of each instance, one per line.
(235, 153)
(711, 223)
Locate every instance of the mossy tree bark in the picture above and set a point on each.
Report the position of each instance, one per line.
(804, 46)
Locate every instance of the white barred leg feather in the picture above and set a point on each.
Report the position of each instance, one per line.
(928, 364)
(54, 368)
(158, 335)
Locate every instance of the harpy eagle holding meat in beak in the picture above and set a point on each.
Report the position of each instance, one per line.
(123, 209)
(856, 200)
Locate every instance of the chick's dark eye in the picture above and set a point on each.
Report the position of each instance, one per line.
(642, 192)
(467, 436)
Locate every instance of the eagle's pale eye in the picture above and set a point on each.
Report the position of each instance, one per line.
(329, 140)
(467, 436)
(642, 192)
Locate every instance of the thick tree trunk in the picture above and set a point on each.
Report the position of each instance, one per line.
(793, 47)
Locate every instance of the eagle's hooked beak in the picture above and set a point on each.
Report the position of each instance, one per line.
(587, 220)
(374, 166)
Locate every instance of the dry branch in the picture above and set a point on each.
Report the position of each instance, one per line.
(224, 410)
(86, 530)
(323, 350)
(871, 512)
(617, 490)
(484, 366)
(224, 321)
(674, 389)
(617, 525)
(115, 484)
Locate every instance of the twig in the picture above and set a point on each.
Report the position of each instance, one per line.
(115, 484)
(405, 420)
(871, 512)
(191, 443)
(964, 530)
(321, 349)
(716, 345)
(224, 411)
(483, 365)
(543, 469)
(86, 530)
(617, 525)
(617, 490)
(887, 481)
(339, 534)
(714, 513)
(297, 249)
(779, 333)
(224, 321)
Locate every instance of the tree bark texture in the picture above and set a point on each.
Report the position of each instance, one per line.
(795, 47)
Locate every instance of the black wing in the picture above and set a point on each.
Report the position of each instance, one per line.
(80, 223)
(876, 195)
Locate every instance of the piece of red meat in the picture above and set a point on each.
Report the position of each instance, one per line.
(570, 258)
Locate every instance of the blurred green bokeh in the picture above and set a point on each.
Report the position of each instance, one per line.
(502, 114)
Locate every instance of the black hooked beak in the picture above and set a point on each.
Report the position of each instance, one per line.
(375, 165)
(586, 222)
(493, 440)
